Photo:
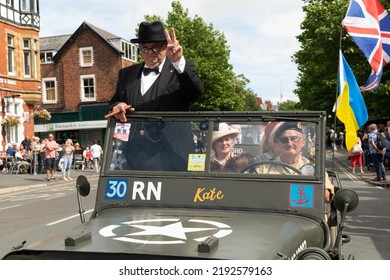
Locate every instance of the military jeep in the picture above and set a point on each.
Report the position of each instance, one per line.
(159, 196)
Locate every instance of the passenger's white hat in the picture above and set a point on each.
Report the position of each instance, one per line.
(223, 130)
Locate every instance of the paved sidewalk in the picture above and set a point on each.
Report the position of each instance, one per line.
(18, 182)
(368, 176)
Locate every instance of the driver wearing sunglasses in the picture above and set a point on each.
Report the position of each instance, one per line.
(289, 138)
(290, 141)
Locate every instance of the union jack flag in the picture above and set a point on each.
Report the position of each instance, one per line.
(368, 23)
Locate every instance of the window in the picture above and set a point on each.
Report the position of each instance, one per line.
(49, 90)
(14, 107)
(34, 6)
(26, 44)
(88, 87)
(129, 51)
(10, 3)
(27, 57)
(30, 54)
(27, 64)
(25, 5)
(46, 57)
(35, 59)
(12, 133)
(86, 57)
(11, 54)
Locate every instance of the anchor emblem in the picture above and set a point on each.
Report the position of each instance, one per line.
(302, 197)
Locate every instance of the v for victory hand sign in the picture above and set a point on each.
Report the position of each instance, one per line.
(174, 50)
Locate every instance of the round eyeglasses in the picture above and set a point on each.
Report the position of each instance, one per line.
(153, 49)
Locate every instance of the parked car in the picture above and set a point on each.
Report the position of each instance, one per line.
(159, 197)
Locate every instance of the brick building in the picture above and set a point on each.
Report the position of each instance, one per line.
(20, 78)
(79, 74)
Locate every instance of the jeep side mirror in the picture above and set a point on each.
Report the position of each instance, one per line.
(345, 200)
(346, 197)
(83, 188)
(82, 185)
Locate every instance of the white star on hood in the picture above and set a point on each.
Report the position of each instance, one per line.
(174, 230)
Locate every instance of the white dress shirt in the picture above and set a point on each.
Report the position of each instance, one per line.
(147, 81)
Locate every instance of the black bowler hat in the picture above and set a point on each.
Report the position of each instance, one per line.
(297, 126)
(150, 32)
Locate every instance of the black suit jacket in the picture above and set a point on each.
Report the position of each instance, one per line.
(175, 91)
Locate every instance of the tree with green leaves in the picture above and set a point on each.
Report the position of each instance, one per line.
(208, 48)
(321, 38)
(250, 100)
(290, 105)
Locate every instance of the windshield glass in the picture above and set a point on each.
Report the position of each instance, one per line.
(255, 147)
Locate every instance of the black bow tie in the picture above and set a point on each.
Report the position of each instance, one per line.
(147, 71)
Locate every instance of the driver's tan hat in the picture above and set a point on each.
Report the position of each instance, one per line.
(224, 130)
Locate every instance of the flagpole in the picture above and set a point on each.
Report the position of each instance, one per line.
(336, 95)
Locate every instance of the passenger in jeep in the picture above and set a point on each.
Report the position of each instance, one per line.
(222, 143)
(164, 81)
(290, 142)
(268, 148)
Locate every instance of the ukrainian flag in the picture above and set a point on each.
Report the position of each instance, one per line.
(351, 109)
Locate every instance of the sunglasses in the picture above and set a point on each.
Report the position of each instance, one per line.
(285, 139)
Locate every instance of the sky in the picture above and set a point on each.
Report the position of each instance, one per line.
(261, 34)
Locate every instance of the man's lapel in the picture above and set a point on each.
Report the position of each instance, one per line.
(166, 74)
(133, 79)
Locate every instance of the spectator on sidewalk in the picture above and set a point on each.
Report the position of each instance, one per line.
(43, 158)
(97, 152)
(333, 136)
(340, 140)
(10, 150)
(67, 155)
(77, 147)
(22, 165)
(87, 157)
(356, 157)
(26, 143)
(36, 149)
(50, 156)
(376, 154)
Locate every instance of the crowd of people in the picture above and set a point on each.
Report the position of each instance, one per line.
(38, 156)
(367, 151)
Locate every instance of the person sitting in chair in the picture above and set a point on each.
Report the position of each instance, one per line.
(87, 157)
(21, 164)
